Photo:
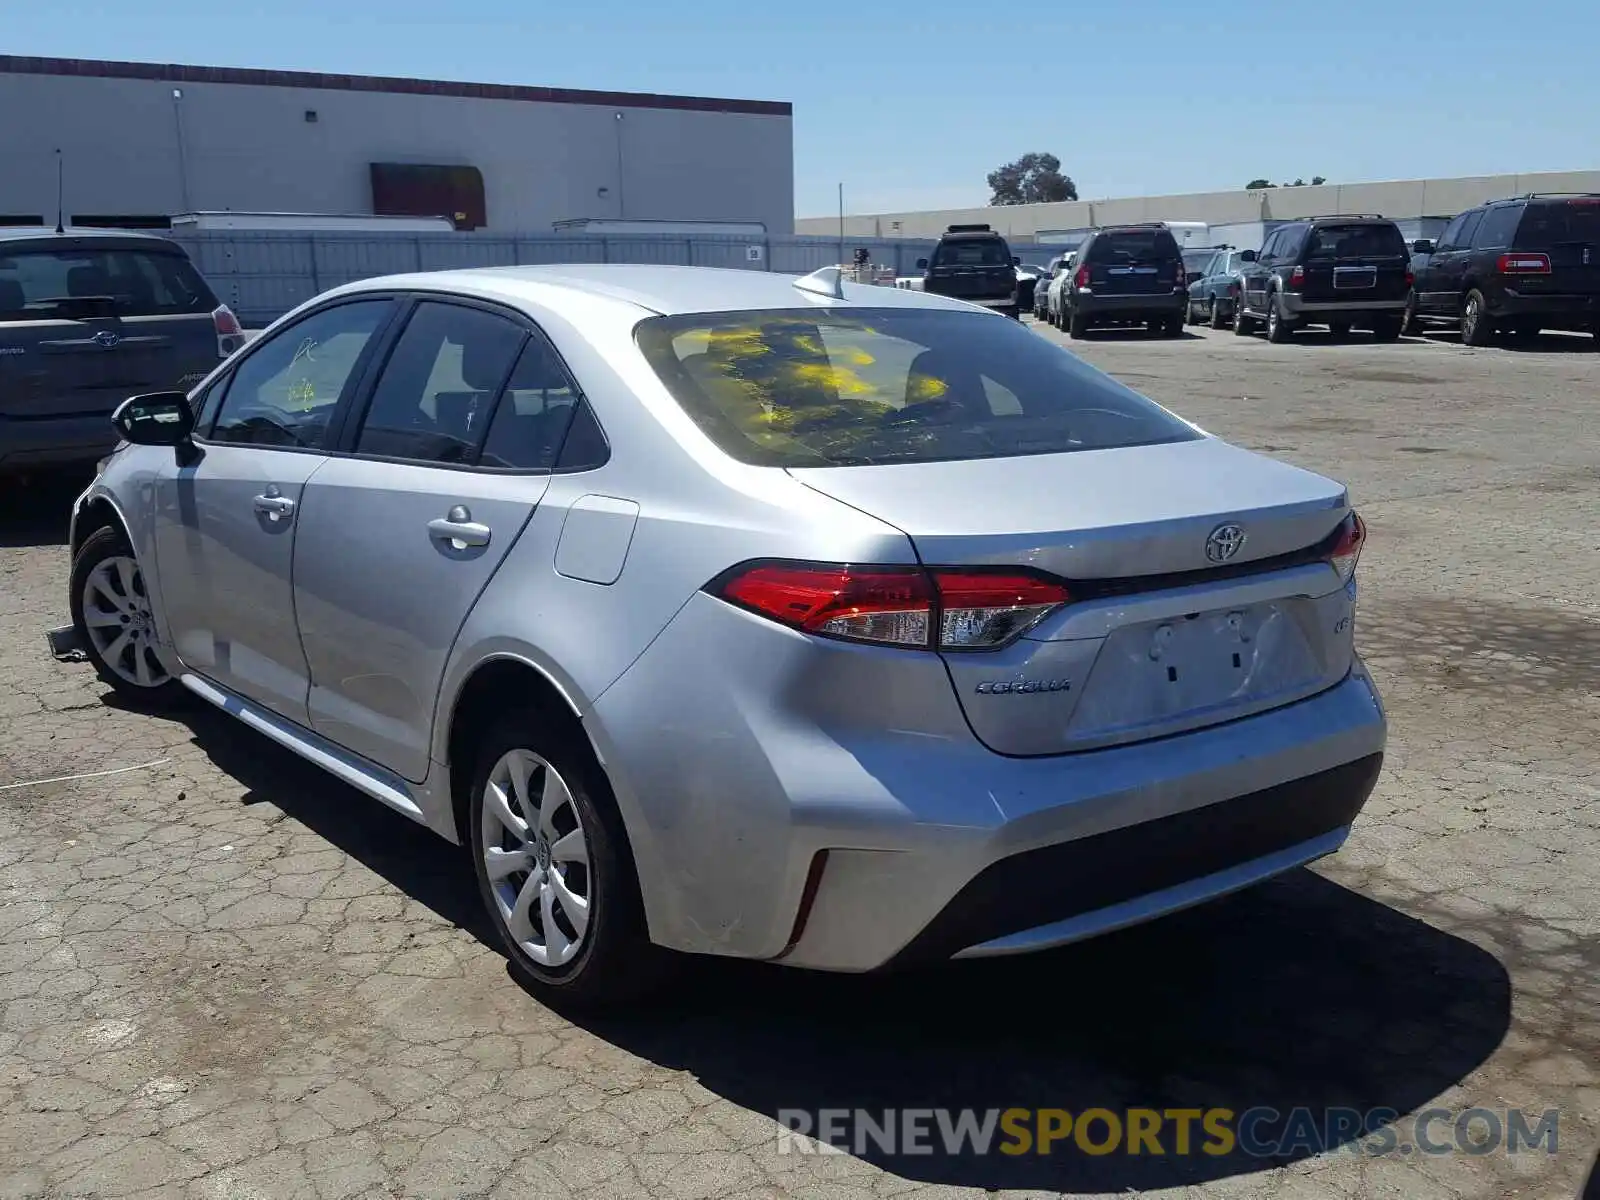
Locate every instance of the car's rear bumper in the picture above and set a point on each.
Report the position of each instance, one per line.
(1298, 306)
(1094, 305)
(1577, 311)
(827, 806)
(49, 441)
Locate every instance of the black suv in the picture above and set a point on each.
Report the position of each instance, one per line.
(1513, 266)
(1339, 271)
(973, 262)
(1127, 275)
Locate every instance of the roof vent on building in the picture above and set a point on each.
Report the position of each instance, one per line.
(311, 116)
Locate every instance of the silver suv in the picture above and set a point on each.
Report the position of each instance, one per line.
(739, 614)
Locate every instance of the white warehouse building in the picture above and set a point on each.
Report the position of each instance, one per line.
(141, 142)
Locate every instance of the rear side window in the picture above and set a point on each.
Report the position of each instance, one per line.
(1356, 241)
(1551, 223)
(1133, 245)
(972, 252)
(534, 414)
(814, 388)
(433, 399)
(1498, 228)
(50, 284)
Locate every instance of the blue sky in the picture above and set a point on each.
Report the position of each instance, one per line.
(911, 104)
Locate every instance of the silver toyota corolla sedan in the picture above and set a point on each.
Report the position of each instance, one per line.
(732, 613)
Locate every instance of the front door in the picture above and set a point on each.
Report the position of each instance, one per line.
(226, 522)
(398, 539)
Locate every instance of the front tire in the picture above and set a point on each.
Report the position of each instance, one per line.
(1476, 327)
(553, 866)
(112, 613)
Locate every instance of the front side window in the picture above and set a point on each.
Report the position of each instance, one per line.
(433, 398)
(286, 388)
(1450, 239)
(816, 388)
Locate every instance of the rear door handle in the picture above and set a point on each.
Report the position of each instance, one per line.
(274, 506)
(459, 529)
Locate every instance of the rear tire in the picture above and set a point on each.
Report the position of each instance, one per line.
(1339, 330)
(112, 613)
(1408, 316)
(1216, 314)
(1173, 328)
(1076, 325)
(1279, 330)
(1476, 327)
(1243, 324)
(1386, 329)
(561, 824)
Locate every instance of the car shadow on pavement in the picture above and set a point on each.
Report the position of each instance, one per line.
(37, 510)
(1296, 993)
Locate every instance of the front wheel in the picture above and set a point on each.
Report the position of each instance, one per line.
(112, 612)
(1476, 327)
(553, 866)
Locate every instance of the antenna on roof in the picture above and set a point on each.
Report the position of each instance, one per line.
(60, 196)
(827, 281)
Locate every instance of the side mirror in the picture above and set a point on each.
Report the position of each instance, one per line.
(922, 264)
(1422, 246)
(155, 419)
(1015, 261)
(1247, 256)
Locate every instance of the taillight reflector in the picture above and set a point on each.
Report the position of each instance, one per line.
(944, 608)
(1297, 277)
(230, 335)
(1183, 276)
(1081, 279)
(1346, 551)
(1524, 264)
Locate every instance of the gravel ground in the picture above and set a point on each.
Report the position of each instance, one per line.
(224, 975)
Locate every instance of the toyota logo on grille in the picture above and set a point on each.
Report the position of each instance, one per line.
(106, 338)
(1224, 542)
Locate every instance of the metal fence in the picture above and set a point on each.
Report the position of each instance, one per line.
(262, 275)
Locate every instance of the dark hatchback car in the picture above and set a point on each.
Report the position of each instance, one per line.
(1342, 271)
(1127, 275)
(973, 263)
(88, 318)
(1513, 267)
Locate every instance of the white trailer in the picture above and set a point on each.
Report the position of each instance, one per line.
(200, 222)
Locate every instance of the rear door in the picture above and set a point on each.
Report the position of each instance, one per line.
(226, 523)
(1568, 230)
(399, 536)
(87, 321)
(1134, 262)
(1362, 261)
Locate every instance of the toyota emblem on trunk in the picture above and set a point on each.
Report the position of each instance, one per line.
(106, 338)
(1224, 542)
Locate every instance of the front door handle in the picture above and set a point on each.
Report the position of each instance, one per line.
(273, 505)
(459, 529)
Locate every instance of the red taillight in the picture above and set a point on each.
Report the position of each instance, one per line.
(1524, 264)
(1347, 547)
(1410, 278)
(1081, 279)
(943, 608)
(1183, 276)
(1297, 277)
(230, 336)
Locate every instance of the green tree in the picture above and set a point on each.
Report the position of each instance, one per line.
(1032, 179)
(1255, 185)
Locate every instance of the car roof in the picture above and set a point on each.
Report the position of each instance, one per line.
(44, 233)
(665, 290)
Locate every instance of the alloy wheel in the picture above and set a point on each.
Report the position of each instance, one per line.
(536, 858)
(119, 623)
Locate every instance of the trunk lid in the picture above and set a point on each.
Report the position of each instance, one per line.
(1134, 262)
(1355, 262)
(1161, 635)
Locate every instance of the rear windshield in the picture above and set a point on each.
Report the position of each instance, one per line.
(1194, 260)
(1356, 241)
(1133, 245)
(812, 388)
(1551, 224)
(47, 283)
(972, 252)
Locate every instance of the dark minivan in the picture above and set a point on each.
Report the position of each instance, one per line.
(1339, 271)
(974, 263)
(1514, 267)
(1127, 274)
(88, 318)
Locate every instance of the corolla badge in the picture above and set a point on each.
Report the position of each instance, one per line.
(1224, 542)
(1020, 687)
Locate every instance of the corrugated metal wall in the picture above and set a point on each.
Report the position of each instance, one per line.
(262, 275)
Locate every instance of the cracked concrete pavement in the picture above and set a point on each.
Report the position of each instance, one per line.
(227, 976)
